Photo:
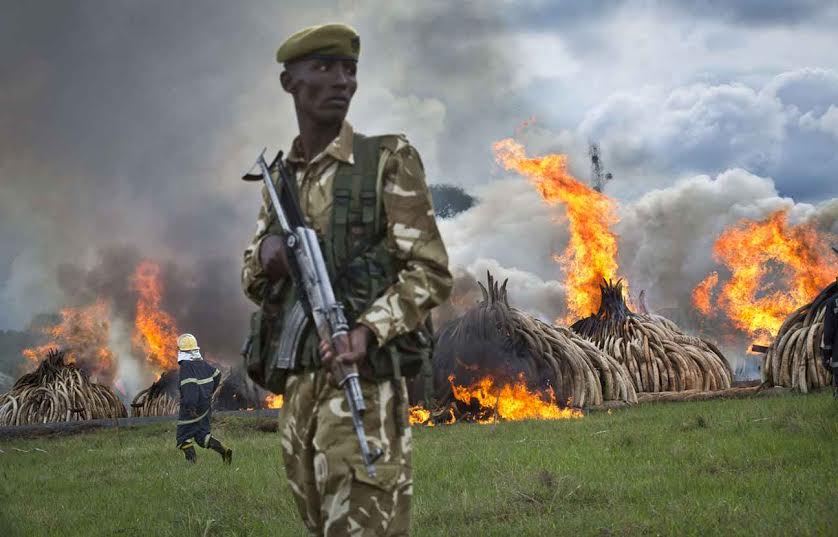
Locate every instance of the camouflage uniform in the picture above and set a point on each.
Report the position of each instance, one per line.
(322, 459)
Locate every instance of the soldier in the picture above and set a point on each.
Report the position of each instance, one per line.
(198, 381)
(830, 340)
(367, 200)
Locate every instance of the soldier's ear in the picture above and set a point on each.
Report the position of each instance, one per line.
(288, 81)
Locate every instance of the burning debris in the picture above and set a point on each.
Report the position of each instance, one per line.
(82, 333)
(658, 355)
(793, 359)
(57, 391)
(499, 362)
(236, 392)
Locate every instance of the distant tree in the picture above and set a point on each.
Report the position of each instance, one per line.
(450, 200)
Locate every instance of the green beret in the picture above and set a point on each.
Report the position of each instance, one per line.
(328, 41)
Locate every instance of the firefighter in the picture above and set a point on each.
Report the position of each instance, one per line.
(198, 381)
(830, 340)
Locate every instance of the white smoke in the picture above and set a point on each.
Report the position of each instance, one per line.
(132, 374)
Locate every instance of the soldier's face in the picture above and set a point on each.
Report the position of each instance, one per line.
(322, 89)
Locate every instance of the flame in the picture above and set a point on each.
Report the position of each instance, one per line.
(419, 415)
(512, 402)
(83, 334)
(591, 254)
(703, 293)
(775, 268)
(155, 332)
(274, 401)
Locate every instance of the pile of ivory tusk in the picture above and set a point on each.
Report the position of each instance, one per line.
(793, 359)
(657, 354)
(162, 398)
(57, 392)
(581, 372)
(584, 373)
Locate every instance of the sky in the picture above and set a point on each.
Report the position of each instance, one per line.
(125, 125)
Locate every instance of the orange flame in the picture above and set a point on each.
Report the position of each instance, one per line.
(83, 334)
(155, 332)
(274, 401)
(703, 293)
(591, 254)
(775, 268)
(419, 415)
(512, 402)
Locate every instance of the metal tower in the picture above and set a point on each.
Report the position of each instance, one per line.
(598, 177)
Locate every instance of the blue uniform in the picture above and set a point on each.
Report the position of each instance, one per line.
(198, 381)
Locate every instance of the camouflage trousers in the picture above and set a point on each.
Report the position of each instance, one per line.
(323, 462)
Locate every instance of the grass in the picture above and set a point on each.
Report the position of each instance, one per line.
(740, 467)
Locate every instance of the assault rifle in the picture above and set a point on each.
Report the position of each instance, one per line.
(316, 299)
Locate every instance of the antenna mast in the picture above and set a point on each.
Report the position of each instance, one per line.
(598, 177)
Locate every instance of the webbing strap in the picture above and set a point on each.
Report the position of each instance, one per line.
(355, 200)
(340, 217)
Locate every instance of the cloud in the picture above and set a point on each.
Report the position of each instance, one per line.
(782, 130)
(759, 12)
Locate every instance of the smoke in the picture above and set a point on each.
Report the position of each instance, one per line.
(131, 375)
(197, 295)
(665, 242)
(125, 126)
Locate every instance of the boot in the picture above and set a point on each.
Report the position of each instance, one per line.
(218, 447)
(191, 456)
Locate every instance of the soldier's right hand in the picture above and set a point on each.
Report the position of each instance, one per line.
(273, 258)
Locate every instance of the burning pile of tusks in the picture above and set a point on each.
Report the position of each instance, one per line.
(579, 371)
(793, 359)
(160, 399)
(657, 354)
(57, 391)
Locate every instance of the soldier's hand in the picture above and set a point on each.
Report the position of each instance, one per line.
(192, 413)
(349, 350)
(273, 258)
(825, 362)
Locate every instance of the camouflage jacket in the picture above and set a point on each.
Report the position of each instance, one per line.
(412, 234)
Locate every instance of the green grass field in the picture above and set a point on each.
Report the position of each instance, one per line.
(762, 466)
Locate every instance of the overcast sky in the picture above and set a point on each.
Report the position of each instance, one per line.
(126, 124)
